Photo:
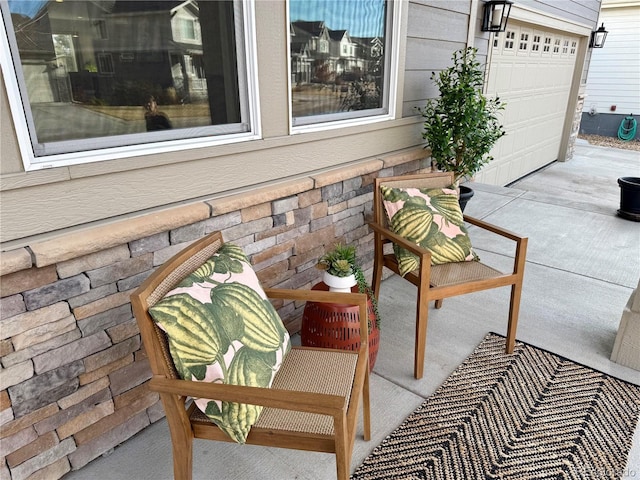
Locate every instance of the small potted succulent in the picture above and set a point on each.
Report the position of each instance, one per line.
(342, 272)
(338, 265)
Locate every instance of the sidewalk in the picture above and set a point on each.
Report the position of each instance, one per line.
(583, 262)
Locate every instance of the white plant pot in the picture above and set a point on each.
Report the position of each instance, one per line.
(339, 284)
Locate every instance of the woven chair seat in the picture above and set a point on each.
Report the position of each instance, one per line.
(306, 370)
(461, 272)
(452, 273)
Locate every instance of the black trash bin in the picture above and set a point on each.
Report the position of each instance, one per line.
(629, 198)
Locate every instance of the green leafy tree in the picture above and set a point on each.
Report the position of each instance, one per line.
(461, 125)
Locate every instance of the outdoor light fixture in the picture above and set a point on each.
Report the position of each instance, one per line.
(496, 15)
(598, 37)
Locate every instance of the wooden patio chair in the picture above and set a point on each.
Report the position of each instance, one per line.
(312, 404)
(437, 282)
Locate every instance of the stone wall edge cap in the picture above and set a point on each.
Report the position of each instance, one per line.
(346, 172)
(14, 261)
(407, 155)
(94, 239)
(258, 195)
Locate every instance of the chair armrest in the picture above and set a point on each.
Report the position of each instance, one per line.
(521, 242)
(401, 241)
(321, 296)
(268, 397)
(492, 228)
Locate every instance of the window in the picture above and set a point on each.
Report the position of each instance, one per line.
(94, 80)
(509, 36)
(65, 54)
(348, 77)
(524, 41)
(105, 63)
(186, 28)
(101, 29)
(535, 46)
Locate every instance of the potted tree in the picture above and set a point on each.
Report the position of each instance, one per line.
(461, 125)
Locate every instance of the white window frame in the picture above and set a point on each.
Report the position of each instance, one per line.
(391, 79)
(104, 149)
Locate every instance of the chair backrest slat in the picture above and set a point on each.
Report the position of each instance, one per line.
(175, 276)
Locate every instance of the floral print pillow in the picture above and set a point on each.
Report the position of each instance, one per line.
(431, 218)
(221, 328)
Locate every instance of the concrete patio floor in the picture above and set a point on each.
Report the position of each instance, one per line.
(583, 262)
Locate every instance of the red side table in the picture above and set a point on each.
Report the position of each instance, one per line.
(333, 325)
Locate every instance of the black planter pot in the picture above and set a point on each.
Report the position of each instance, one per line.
(629, 198)
(465, 195)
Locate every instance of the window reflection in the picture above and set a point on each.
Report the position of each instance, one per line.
(337, 58)
(90, 67)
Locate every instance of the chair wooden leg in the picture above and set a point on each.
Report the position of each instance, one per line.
(183, 460)
(181, 438)
(439, 303)
(366, 408)
(512, 325)
(377, 268)
(422, 318)
(516, 292)
(342, 452)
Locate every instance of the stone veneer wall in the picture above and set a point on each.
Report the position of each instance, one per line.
(575, 125)
(73, 383)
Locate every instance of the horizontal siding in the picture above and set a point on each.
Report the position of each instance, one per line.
(580, 11)
(435, 30)
(459, 6)
(437, 24)
(614, 73)
(89, 199)
(439, 54)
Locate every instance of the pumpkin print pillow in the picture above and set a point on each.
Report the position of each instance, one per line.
(221, 328)
(431, 218)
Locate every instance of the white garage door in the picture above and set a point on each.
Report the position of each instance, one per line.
(531, 69)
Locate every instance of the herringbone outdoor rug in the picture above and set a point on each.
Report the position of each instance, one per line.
(530, 415)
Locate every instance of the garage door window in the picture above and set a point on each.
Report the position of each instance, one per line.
(115, 74)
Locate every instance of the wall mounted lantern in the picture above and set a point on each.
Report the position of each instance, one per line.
(496, 15)
(598, 37)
